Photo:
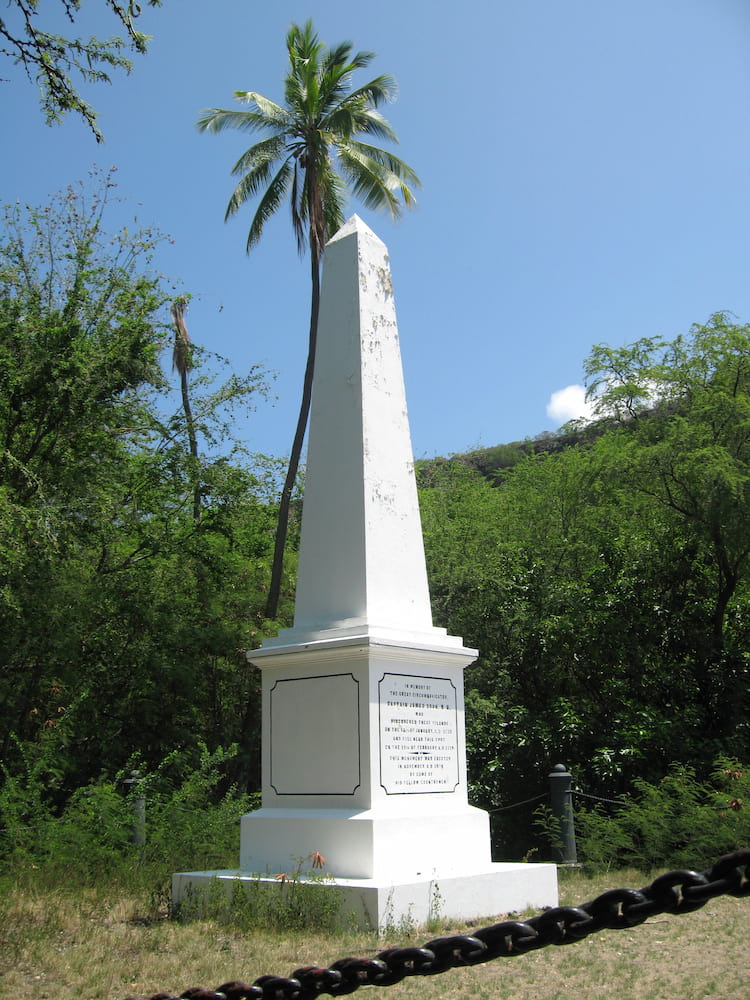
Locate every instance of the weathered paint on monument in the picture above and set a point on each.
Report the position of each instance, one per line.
(361, 554)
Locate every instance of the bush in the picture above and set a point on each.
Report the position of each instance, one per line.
(679, 822)
(193, 825)
(191, 822)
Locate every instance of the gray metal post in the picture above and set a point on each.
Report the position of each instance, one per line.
(138, 807)
(560, 785)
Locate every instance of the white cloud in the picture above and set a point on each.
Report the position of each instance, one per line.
(569, 404)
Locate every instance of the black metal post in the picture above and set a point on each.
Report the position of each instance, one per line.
(560, 785)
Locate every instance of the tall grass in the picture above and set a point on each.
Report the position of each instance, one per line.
(101, 943)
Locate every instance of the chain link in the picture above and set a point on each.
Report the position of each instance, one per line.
(618, 909)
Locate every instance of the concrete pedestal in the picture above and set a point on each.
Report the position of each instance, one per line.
(393, 904)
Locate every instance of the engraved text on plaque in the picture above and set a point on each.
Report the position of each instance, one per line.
(418, 734)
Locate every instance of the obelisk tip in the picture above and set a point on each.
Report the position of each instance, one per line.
(353, 225)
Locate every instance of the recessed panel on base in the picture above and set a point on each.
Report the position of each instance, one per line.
(314, 735)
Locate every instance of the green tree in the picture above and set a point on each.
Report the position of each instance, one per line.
(48, 59)
(683, 408)
(311, 154)
(105, 651)
(606, 582)
(79, 341)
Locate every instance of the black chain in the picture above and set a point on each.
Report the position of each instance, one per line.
(674, 892)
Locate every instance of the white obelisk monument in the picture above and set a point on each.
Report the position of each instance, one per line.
(363, 746)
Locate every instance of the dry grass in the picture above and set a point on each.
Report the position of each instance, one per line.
(80, 945)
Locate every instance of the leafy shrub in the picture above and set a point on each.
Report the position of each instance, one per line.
(678, 822)
(24, 811)
(194, 825)
(191, 821)
(93, 833)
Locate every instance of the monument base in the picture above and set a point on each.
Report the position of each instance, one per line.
(486, 895)
(392, 843)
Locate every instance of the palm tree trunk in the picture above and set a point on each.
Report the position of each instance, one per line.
(183, 362)
(282, 526)
(193, 446)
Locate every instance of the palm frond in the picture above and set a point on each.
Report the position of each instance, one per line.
(182, 350)
(248, 186)
(269, 204)
(321, 117)
(313, 198)
(334, 203)
(266, 151)
(267, 107)
(392, 163)
(337, 55)
(217, 120)
(303, 42)
(350, 119)
(382, 89)
(311, 95)
(293, 95)
(336, 81)
(371, 122)
(336, 73)
(298, 206)
(373, 181)
(356, 111)
(334, 88)
(360, 60)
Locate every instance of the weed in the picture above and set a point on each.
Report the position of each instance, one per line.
(436, 907)
(290, 902)
(548, 827)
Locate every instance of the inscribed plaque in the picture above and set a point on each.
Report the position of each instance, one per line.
(418, 734)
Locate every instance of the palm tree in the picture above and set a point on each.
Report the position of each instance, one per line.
(311, 155)
(182, 360)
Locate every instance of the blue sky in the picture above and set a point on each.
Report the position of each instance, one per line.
(586, 179)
